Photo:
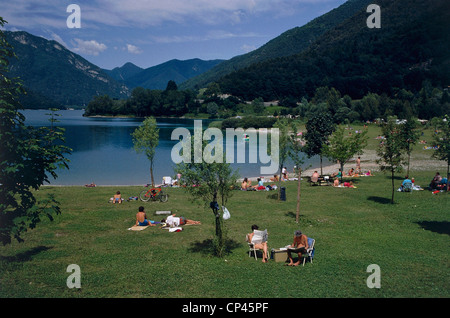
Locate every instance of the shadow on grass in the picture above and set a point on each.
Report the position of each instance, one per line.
(206, 247)
(395, 177)
(25, 256)
(379, 200)
(293, 215)
(441, 227)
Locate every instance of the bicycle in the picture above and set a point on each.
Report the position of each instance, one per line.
(153, 194)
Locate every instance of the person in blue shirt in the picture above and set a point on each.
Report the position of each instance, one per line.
(407, 182)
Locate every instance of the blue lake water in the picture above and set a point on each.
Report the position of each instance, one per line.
(103, 153)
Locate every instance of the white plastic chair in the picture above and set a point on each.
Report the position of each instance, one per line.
(309, 251)
(258, 237)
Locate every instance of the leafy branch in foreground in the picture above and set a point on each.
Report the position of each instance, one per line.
(27, 157)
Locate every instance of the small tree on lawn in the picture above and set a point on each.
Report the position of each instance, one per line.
(297, 156)
(342, 147)
(441, 141)
(210, 182)
(391, 150)
(410, 135)
(283, 145)
(318, 128)
(146, 139)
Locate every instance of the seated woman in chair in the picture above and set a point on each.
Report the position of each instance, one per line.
(260, 246)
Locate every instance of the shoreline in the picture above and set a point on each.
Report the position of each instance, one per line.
(368, 162)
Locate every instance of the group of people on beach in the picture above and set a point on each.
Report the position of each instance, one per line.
(246, 184)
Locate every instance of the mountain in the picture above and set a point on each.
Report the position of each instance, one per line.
(411, 47)
(124, 72)
(157, 77)
(54, 76)
(289, 43)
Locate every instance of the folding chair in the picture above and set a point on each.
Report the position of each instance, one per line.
(258, 237)
(309, 251)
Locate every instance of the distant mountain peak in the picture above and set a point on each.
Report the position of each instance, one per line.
(53, 74)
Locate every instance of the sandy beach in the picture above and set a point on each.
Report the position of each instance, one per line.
(368, 162)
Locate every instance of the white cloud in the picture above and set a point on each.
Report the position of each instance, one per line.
(139, 13)
(133, 49)
(58, 39)
(91, 47)
(210, 35)
(212, 12)
(248, 48)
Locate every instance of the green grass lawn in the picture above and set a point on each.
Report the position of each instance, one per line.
(353, 228)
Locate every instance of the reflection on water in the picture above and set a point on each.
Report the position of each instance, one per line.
(102, 149)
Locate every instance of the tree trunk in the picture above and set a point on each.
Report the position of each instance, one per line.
(448, 175)
(298, 196)
(409, 158)
(215, 209)
(393, 189)
(321, 172)
(219, 244)
(151, 174)
(279, 182)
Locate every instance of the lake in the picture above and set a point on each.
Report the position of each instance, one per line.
(103, 153)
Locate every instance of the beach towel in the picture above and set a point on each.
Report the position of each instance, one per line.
(137, 228)
(174, 229)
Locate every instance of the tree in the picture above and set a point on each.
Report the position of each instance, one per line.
(258, 105)
(213, 89)
(146, 139)
(296, 154)
(209, 182)
(27, 156)
(342, 147)
(171, 86)
(212, 108)
(410, 135)
(442, 142)
(283, 145)
(391, 150)
(318, 128)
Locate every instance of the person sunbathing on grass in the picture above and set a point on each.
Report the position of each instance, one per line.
(336, 182)
(141, 218)
(117, 197)
(174, 221)
(349, 184)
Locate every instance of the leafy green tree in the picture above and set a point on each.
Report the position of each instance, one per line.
(283, 145)
(171, 86)
(146, 139)
(27, 157)
(391, 150)
(318, 128)
(410, 134)
(139, 101)
(442, 142)
(342, 147)
(99, 105)
(209, 182)
(297, 155)
(258, 105)
(212, 109)
(213, 89)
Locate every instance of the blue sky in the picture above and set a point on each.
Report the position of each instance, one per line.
(151, 32)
